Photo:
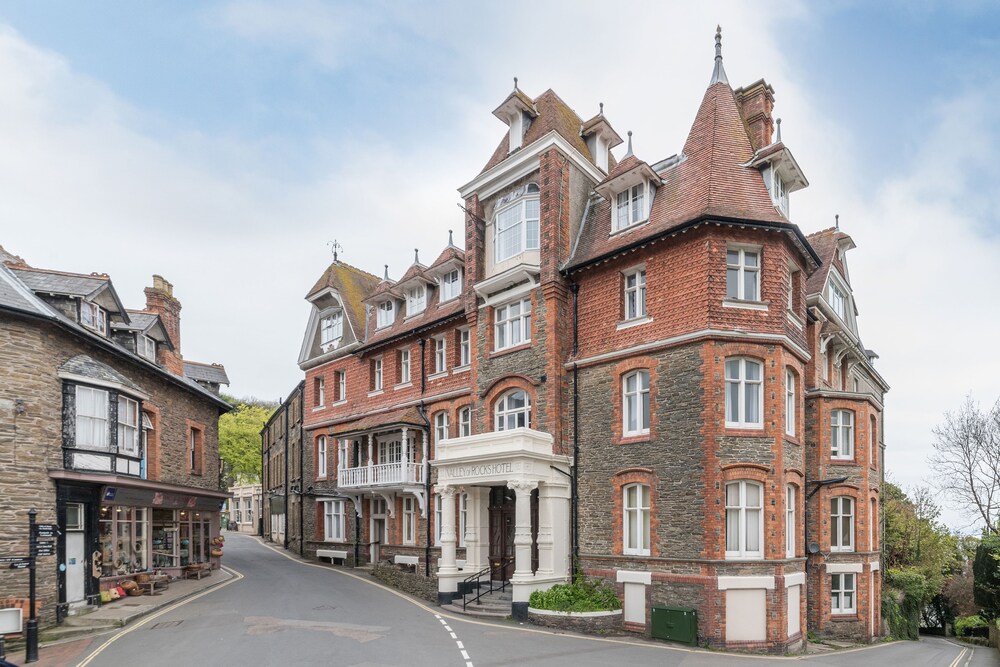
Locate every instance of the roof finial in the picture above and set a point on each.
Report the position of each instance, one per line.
(601, 112)
(450, 242)
(719, 74)
(778, 137)
(629, 144)
(386, 277)
(515, 83)
(334, 247)
(836, 221)
(416, 255)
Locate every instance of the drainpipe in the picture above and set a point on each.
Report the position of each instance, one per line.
(302, 475)
(422, 411)
(260, 519)
(574, 288)
(284, 409)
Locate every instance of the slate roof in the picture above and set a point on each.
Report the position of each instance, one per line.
(825, 242)
(433, 314)
(709, 180)
(553, 114)
(14, 295)
(87, 367)
(139, 320)
(448, 254)
(353, 284)
(199, 372)
(58, 282)
(408, 416)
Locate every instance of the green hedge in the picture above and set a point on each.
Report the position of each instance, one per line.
(584, 595)
(902, 601)
(968, 626)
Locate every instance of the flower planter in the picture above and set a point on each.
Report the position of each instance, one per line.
(586, 622)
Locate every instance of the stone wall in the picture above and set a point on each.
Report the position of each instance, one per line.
(414, 583)
(603, 624)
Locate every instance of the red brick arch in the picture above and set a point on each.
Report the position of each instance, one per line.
(500, 387)
(619, 372)
(619, 481)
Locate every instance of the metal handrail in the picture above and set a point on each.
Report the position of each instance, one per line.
(501, 566)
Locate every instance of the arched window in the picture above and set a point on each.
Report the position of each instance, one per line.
(789, 402)
(842, 524)
(635, 523)
(464, 422)
(744, 520)
(842, 434)
(790, 521)
(513, 410)
(516, 223)
(440, 426)
(744, 393)
(635, 403)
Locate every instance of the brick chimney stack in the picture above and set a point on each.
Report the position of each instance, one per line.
(160, 300)
(756, 104)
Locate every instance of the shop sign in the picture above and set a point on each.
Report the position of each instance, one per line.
(481, 470)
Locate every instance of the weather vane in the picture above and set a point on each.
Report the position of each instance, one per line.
(334, 247)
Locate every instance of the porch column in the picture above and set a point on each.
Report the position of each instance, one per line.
(522, 547)
(545, 541)
(448, 574)
(472, 526)
(404, 469)
(369, 479)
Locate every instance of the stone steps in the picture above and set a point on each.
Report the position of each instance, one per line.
(490, 605)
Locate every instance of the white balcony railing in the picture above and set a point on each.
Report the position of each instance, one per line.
(383, 474)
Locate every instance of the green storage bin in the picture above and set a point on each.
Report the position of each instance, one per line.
(676, 624)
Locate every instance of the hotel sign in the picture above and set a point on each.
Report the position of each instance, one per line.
(480, 470)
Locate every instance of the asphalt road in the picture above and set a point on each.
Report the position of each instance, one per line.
(286, 612)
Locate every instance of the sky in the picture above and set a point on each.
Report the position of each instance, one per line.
(224, 144)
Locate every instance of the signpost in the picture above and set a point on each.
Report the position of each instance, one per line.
(36, 548)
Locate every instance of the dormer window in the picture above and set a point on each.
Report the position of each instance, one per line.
(92, 317)
(516, 228)
(386, 313)
(416, 300)
(145, 347)
(631, 206)
(838, 302)
(451, 285)
(779, 192)
(331, 329)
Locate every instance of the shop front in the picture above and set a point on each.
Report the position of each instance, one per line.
(518, 495)
(114, 531)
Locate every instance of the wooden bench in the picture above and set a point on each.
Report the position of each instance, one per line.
(161, 582)
(197, 572)
(400, 559)
(332, 554)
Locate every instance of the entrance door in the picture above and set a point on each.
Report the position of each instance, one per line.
(75, 570)
(501, 533)
(377, 528)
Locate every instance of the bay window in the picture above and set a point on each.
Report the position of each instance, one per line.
(743, 274)
(91, 418)
(842, 434)
(516, 224)
(841, 524)
(512, 324)
(744, 393)
(744, 520)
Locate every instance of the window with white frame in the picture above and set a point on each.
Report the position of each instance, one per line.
(145, 347)
(512, 324)
(451, 285)
(464, 347)
(513, 410)
(842, 434)
(440, 354)
(791, 288)
(635, 403)
(128, 426)
(464, 422)
(331, 328)
(409, 520)
(377, 374)
(635, 294)
(516, 226)
(386, 313)
(744, 520)
(838, 301)
(790, 521)
(789, 402)
(416, 300)
(342, 454)
(92, 317)
(779, 192)
(631, 206)
(333, 520)
(463, 517)
(635, 523)
(404, 365)
(319, 392)
(841, 524)
(341, 385)
(743, 274)
(744, 393)
(321, 456)
(438, 518)
(91, 418)
(872, 521)
(843, 587)
(873, 442)
(440, 426)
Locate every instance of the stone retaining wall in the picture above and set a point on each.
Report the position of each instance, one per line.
(414, 583)
(588, 623)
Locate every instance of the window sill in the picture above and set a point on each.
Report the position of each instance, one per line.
(753, 428)
(340, 402)
(628, 228)
(437, 375)
(508, 350)
(461, 369)
(843, 615)
(745, 305)
(634, 322)
(744, 559)
(837, 460)
(402, 385)
(317, 408)
(634, 553)
(792, 440)
(795, 320)
(376, 392)
(633, 438)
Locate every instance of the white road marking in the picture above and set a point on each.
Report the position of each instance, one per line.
(459, 644)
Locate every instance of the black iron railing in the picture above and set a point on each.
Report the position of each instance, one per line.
(499, 567)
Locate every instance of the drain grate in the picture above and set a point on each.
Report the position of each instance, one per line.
(165, 624)
(324, 607)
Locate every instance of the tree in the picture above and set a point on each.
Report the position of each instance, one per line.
(966, 461)
(239, 439)
(986, 573)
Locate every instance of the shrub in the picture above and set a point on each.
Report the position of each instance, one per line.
(904, 598)
(584, 595)
(972, 626)
(986, 577)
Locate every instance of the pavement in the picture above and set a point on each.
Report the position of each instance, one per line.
(60, 645)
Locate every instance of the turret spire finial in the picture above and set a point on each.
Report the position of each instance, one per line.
(416, 255)
(334, 247)
(836, 221)
(515, 83)
(450, 241)
(386, 277)
(719, 74)
(629, 144)
(601, 112)
(777, 138)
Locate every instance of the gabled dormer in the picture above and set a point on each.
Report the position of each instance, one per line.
(629, 188)
(88, 300)
(517, 111)
(600, 138)
(337, 323)
(143, 334)
(414, 287)
(448, 272)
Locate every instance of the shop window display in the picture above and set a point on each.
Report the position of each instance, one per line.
(123, 536)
